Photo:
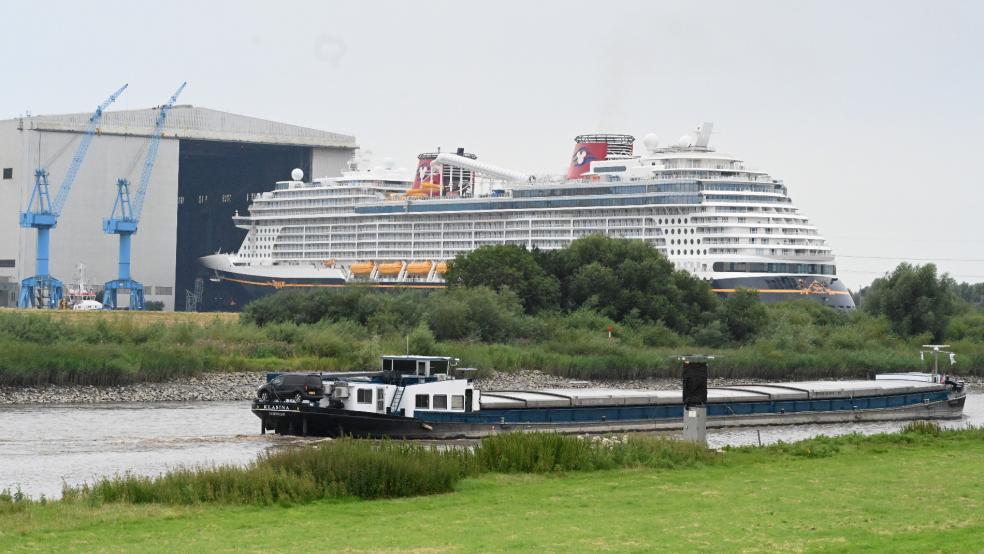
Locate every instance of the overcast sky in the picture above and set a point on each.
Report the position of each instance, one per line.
(871, 112)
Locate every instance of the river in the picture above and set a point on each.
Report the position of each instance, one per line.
(42, 447)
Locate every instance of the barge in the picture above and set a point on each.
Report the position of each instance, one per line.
(425, 397)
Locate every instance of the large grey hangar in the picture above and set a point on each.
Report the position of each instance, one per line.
(210, 164)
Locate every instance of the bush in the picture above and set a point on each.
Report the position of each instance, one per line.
(743, 315)
(421, 341)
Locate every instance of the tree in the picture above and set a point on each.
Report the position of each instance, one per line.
(743, 315)
(972, 294)
(914, 300)
(506, 266)
(618, 277)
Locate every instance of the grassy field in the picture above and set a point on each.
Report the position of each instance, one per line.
(913, 492)
(140, 319)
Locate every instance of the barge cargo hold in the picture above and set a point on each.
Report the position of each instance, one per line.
(416, 397)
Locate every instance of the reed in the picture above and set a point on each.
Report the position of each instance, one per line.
(550, 452)
(386, 469)
(341, 468)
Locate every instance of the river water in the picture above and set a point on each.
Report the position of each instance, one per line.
(42, 447)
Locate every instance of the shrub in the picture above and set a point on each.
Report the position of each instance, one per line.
(421, 340)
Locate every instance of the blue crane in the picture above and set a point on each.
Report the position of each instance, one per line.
(42, 290)
(126, 216)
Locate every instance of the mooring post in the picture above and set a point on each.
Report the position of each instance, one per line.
(695, 398)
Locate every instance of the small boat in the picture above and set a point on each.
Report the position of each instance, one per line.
(390, 268)
(419, 268)
(362, 268)
(424, 397)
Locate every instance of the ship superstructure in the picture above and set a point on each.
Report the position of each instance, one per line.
(706, 211)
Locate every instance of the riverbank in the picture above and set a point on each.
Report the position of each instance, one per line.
(121, 349)
(822, 494)
(241, 386)
(213, 387)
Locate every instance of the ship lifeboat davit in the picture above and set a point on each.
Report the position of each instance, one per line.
(442, 267)
(390, 268)
(419, 268)
(361, 268)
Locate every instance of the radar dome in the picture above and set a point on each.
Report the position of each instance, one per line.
(388, 163)
(685, 140)
(651, 141)
(297, 174)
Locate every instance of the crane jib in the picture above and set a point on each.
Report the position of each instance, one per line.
(125, 216)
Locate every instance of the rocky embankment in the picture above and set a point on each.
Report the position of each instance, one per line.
(207, 387)
(242, 386)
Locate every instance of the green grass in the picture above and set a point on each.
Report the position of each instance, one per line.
(366, 469)
(912, 492)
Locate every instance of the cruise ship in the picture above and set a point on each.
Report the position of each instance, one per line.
(706, 211)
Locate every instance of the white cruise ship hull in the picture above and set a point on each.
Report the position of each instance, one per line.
(259, 279)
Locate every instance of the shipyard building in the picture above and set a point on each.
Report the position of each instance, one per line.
(210, 164)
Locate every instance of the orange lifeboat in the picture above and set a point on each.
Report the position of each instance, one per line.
(361, 268)
(442, 267)
(419, 268)
(390, 268)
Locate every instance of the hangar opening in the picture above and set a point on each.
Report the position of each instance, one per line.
(215, 180)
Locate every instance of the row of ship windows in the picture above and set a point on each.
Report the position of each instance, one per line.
(684, 252)
(203, 199)
(761, 267)
(286, 241)
(636, 211)
(468, 235)
(492, 204)
(477, 226)
(470, 220)
(481, 224)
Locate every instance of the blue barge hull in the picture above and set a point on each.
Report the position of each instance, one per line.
(317, 420)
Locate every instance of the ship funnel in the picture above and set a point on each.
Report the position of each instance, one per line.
(436, 177)
(423, 175)
(591, 148)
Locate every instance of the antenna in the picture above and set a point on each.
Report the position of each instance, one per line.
(936, 350)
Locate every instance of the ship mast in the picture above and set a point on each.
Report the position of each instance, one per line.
(935, 350)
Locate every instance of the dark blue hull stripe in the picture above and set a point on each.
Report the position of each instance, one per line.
(675, 411)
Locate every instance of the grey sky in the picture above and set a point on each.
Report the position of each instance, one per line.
(870, 111)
